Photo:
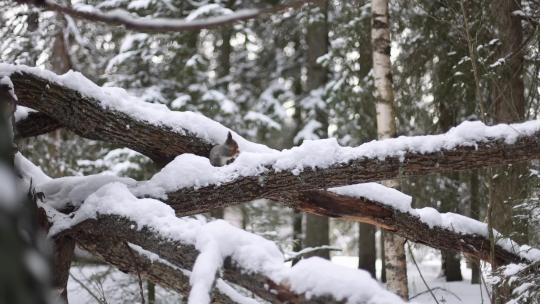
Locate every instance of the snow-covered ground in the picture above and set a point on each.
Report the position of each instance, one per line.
(117, 287)
(430, 266)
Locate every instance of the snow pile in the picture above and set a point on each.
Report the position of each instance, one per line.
(378, 193)
(74, 190)
(217, 240)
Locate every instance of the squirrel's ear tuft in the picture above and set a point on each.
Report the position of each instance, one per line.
(230, 141)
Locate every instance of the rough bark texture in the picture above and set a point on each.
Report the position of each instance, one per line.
(84, 116)
(400, 223)
(475, 214)
(395, 259)
(283, 186)
(63, 249)
(35, 124)
(107, 236)
(451, 265)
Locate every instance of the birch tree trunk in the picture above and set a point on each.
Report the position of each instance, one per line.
(395, 260)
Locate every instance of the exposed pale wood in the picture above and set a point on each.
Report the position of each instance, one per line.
(401, 223)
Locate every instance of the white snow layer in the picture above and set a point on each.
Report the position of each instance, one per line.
(217, 240)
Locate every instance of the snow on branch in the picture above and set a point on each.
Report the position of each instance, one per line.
(321, 164)
(123, 18)
(112, 115)
(192, 243)
(390, 209)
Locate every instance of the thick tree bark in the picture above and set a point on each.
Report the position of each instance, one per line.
(297, 234)
(395, 259)
(108, 235)
(64, 247)
(283, 186)
(451, 263)
(84, 116)
(475, 214)
(35, 124)
(317, 228)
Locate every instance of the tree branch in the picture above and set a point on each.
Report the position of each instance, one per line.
(402, 223)
(160, 25)
(35, 124)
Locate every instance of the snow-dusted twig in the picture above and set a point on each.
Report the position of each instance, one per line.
(159, 25)
(309, 250)
(420, 273)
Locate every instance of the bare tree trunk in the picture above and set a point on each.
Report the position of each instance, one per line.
(395, 259)
(508, 106)
(475, 214)
(224, 60)
(317, 227)
(367, 254)
(297, 233)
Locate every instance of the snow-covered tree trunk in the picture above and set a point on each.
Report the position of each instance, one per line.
(395, 260)
(317, 227)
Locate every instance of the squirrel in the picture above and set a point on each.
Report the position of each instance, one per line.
(225, 153)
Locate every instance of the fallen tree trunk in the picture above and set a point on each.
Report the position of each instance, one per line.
(283, 185)
(105, 236)
(93, 121)
(87, 118)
